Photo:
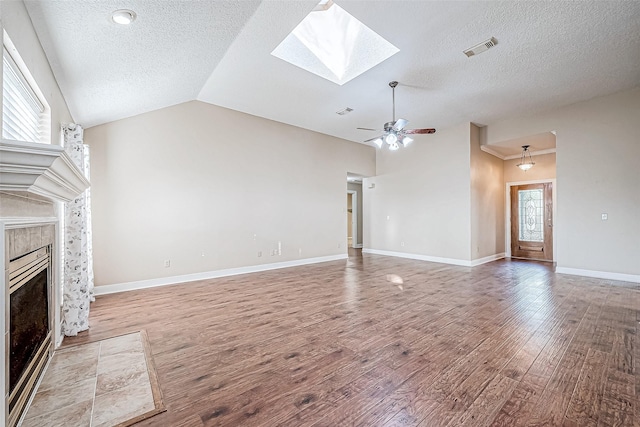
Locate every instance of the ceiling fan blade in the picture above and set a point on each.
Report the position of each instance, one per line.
(373, 139)
(416, 131)
(400, 123)
(377, 130)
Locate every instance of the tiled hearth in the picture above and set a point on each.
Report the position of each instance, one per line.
(100, 384)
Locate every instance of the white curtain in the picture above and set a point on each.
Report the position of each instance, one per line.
(78, 257)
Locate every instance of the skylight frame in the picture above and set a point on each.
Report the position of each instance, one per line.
(333, 44)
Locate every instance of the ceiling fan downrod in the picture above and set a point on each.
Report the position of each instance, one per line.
(393, 85)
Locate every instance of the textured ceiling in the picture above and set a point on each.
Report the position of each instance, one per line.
(108, 71)
(549, 53)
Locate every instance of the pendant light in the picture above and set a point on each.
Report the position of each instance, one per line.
(525, 160)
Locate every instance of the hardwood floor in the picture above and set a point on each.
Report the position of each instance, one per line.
(508, 343)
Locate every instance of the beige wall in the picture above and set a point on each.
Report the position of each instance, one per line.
(422, 197)
(196, 179)
(487, 200)
(597, 152)
(544, 168)
(358, 189)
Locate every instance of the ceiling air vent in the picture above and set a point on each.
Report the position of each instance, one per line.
(345, 111)
(481, 47)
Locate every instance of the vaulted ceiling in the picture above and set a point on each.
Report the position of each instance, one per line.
(549, 54)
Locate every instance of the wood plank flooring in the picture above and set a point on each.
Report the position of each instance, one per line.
(508, 343)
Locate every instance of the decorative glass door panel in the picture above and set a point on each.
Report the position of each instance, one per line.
(531, 207)
(532, 221)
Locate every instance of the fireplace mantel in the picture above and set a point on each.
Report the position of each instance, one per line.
(41, 169)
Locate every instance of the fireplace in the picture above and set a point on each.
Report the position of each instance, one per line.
(34, 179)
(29, 325)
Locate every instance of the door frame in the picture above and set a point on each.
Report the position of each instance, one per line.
(354, 218)
(507, 221)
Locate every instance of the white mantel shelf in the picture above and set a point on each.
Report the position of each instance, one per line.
(41, 169)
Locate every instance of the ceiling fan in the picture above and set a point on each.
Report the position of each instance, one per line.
(395, 135)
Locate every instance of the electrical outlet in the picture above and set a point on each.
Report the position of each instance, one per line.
(402, 244)
(299, 251)
(167, 263)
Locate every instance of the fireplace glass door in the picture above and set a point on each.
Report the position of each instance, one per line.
(29, 325)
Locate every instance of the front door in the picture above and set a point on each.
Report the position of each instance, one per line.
(532, 221)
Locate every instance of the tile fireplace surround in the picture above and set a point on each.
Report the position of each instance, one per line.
(35, 181)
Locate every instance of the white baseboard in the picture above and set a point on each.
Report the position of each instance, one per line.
(453, 261)
(487, 259)
(163, 281)
(357, 246)
(634, 278)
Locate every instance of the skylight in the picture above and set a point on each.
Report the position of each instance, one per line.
(332, 44)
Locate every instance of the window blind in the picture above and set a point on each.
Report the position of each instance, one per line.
(22, 112)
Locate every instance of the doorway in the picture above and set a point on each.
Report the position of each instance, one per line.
(352, 219)
(531, 210)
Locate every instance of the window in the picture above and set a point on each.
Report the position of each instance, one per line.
(25, 117)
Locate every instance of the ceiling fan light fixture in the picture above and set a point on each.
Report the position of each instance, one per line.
(391, 138)
(526, 162)
(378, 142)
(394, 146)
(406, 140)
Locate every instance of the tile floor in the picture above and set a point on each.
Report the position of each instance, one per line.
(99, 384)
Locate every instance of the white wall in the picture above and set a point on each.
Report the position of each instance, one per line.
(196, 179)
(597, 172)
(422, 197)
(487, 201)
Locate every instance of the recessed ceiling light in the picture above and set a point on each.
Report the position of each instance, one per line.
(123, 16)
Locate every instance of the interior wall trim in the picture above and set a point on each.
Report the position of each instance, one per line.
(634, 278)
(452, 261)
(173, 280)
(490, 258)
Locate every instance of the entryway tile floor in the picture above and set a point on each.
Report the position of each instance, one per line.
(100, 384)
